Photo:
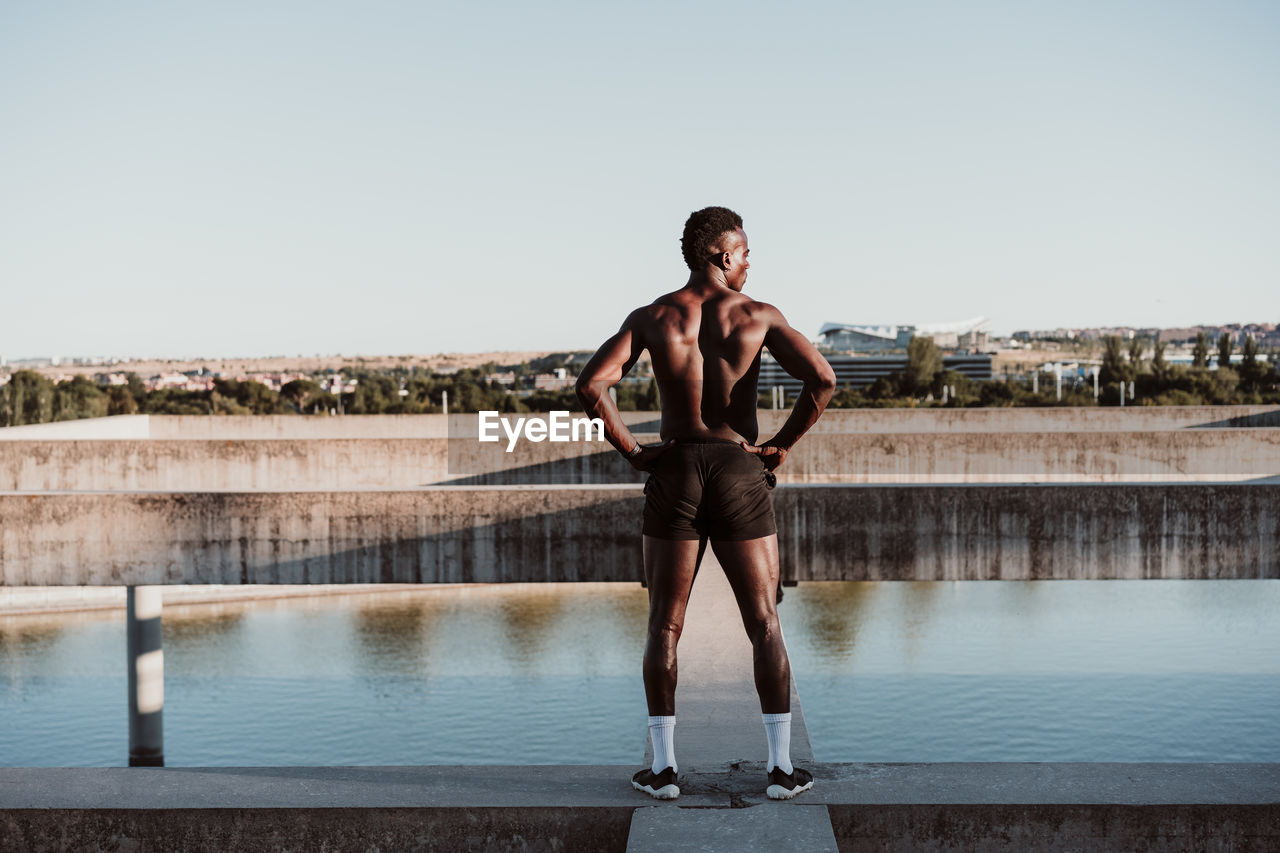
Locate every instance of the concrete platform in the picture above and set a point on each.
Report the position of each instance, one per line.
(783, 828)
(1003, 807)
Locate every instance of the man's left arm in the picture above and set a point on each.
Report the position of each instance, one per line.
(611, 362)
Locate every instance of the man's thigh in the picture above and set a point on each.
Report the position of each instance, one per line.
(751, 565)
(669, 568)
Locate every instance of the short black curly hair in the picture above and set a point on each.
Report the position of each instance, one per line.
(702, 230)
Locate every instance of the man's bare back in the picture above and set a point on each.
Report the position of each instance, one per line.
(705, 346)
(705, 341)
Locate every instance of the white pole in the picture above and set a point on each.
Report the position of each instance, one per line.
(1057, 372)
(1122, 393)
(1035, 381)
(444, 401)
(1094, 369)
(146, 676)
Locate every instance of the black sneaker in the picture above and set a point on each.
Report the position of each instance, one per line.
(784, 786)
(662, 785)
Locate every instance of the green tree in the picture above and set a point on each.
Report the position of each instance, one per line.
(257, 398)
(1251, 370)
(120, 401)
(27, 398)
(176, 401)
(79, 397)
(924, 363)
(1224, 350)
(220, 404)
(1158, 365)
(1114, 367)
(1200, 352)
(300, 392)
(1135, 354)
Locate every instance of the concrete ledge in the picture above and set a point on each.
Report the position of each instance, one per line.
(995, 419)
(1049, 806)
(824, 457)
(488, 534)
(1181, 828)
(257, 830)
(737, 784)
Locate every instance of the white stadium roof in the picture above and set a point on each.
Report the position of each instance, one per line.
(891, 332)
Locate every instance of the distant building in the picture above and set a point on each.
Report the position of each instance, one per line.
(843, 337)
(855, 371)
(557, 381)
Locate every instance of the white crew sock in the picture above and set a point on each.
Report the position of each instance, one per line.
(662, 734)
(777, 728)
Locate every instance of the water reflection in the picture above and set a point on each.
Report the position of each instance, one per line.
(529, 619)
(1040, 671)
(831, 620)
(538, 673)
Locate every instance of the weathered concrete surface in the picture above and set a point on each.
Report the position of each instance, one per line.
(244, 427)
(249, 427)
(1052, 806)
(444, 534)
(1037, 806)
(717, 708)
(1052, 828)
(783, 827)
(333, 808)
(971, 457)
(997, 532)
(1052, 419)
(334, 830)
(223, 464)
(919, 457)
(432, 535)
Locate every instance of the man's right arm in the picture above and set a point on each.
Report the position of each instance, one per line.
(802, 360)
(605, 369)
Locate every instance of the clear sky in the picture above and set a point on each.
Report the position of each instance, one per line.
(252, 178)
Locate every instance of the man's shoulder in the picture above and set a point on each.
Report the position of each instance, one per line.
(760, 312)
(662, 305)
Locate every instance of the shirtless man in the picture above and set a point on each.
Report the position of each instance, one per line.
(708, 479)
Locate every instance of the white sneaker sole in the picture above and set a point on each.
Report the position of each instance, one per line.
(777, 792)
(666, 792)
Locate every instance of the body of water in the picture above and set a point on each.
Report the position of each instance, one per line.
(550, 674)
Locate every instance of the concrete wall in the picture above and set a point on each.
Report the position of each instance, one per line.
(558, 533)
(202, 427)
(974, 457)
(1052, 419)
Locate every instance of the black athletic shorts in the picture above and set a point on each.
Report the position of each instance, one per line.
(709, 487)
